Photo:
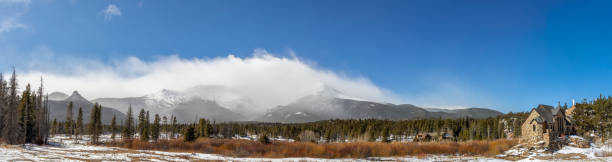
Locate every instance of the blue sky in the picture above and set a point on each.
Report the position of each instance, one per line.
(507, 55)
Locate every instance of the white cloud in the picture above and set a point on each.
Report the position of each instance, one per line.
(266, 79)
(110, 11)
(12, 11)
(9, 24)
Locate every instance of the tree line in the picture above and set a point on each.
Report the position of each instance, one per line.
(461, 129)
(142, 128)
(594, 118)
(25, 116)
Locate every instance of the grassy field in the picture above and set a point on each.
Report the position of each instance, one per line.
(276, 149)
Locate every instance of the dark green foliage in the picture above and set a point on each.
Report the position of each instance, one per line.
(145, 133)
(113, 127)
(95, 123)
(173, 127)
(155, 128)
(594, 117)
(23, 119)
(189, 134)
(371, 129)
(79, 123)
(142, 122)
(385, 135)
(203, 129)
(164, 126)
(11, 132)
(27, 115)
(128, 127)
(69, 124)
(54, 127)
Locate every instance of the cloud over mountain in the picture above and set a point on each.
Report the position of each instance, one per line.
(266, 79)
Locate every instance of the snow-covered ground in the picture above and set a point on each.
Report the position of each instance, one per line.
(596, 152)
(62, 148)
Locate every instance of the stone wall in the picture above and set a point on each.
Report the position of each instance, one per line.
(527, 133)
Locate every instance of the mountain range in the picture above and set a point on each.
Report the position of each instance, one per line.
(213, 103)
(58, 106)
(329, 104)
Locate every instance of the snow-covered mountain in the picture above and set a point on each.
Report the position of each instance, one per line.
(200, 100)
(221, 103)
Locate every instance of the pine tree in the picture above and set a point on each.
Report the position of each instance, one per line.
(189, 134)
(155, 128)
(164, 128)
(385, 135)
(42, 116)
(148, 125)
(54, 127)
(141, 121)
(68, 123)
(202, 128)
(25, 115)
(11, 133)
(145, 133)
(173, 127)
(79, 124)
(128, 130)
(113, 127)
(95, 123)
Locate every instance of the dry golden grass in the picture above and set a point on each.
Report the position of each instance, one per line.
(246, 148)
(603, 154)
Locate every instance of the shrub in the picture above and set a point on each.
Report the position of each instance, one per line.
(279, 149)
(307, 136)
(189, 134)
(263, 139)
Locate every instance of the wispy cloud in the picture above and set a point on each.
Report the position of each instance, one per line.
(13, 9)
(110, 11)
(9, 24)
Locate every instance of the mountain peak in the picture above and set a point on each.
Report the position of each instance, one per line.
(76, 97)
(167, 97)
(327, 91)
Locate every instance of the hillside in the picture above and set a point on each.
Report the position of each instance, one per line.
(58, 109)
(320, 107)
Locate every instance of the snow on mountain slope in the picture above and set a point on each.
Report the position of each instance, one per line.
(165, 98)
(227, 104)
